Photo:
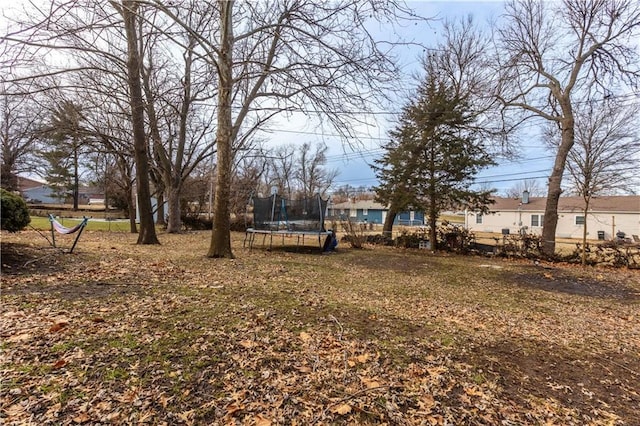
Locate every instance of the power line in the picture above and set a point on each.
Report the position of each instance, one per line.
(623, 97)
(514, 174)
(510, 180)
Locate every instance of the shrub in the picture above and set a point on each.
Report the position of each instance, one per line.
(15, 215)
(379, 239)
(196, 223)
(409, 240)
(240, 223)
(455, 238)
(354, 234)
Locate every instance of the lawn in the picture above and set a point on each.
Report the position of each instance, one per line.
(124, 334)
(43, 224)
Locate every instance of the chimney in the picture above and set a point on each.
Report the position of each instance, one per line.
(525, 197)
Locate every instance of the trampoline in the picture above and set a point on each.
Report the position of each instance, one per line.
(279, 216)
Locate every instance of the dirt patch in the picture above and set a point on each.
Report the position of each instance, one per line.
(393, 261)
(584, 381)
(76, 291)
(595, 283)
(25, 259)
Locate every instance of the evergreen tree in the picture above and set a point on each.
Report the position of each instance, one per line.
(66, 142)
(433, 157)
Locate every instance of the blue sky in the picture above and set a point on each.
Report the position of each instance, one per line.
(354, 164)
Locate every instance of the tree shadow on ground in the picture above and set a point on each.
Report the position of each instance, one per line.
(563, 281)
(24, 259)
(576, 378)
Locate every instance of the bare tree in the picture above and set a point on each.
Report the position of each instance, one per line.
(20, 120)
(312, 56)
(88, 37)
(109, 123)
(175, 90)
(554, 55)
(281, 170)
(532, 186)
(463, 58)
(147, 233)
(247, 174)
(601, 160)
(314, 178)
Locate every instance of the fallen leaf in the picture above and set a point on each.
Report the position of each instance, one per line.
(19, 338)
(129, 396)
(234, 408)
(81, 418)
(164, 401)
(304, 336)
(362, 358)
(59, 364)
(58, 326)
(473, 391)
(426, 403)
(186, 416)
(261, 420)
(370, 383)
(248, 344)
(341, 409)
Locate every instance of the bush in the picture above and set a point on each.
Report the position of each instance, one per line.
(15, 215)
(354, 234)
(409, 240)
(196, 223)
(381, 240)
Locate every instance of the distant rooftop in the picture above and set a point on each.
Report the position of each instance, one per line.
(610, 203)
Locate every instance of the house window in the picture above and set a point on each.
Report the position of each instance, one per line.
(479, 218)
(579, 220)
(353, 212)
(536, 220)
(365, 212)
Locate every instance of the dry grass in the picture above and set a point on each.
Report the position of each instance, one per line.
(124, 334)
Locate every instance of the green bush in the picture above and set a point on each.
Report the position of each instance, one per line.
(15, 215)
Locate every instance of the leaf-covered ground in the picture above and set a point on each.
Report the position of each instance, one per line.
(124, 334)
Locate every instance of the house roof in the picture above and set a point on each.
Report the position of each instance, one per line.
(26, 183)
(360, 204)
(611, 203)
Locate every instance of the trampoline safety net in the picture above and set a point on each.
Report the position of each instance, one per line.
(276, 213)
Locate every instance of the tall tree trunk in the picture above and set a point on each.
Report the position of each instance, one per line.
(160, 213)
(555, 182)
(175, 222)
(387, 228)
(131, 208)
(175, 173)
(147, 233)
(76, 176)
(8, 178)
(220, 235)
(433, 234)
(587, 200)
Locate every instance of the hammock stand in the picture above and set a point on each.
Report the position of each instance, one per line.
(58, 227)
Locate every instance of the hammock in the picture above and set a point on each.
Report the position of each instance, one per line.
(61, 229)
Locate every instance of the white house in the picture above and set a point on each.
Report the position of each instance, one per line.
(607, 216)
